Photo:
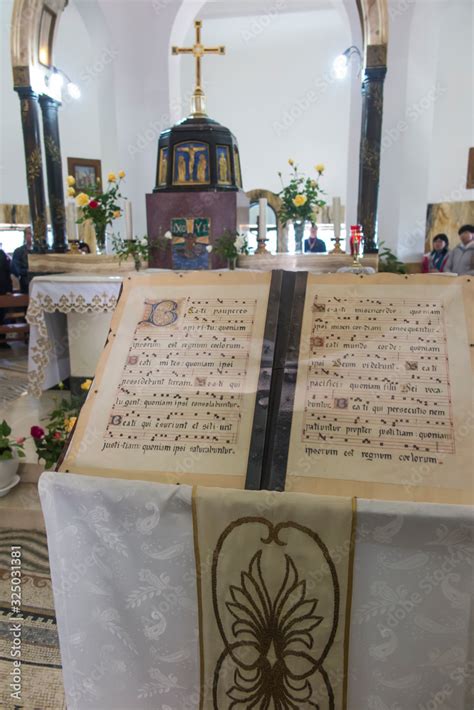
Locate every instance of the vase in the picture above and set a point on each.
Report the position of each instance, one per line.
(8, 469)
(231, 263)
(299, 226)
(100, 238)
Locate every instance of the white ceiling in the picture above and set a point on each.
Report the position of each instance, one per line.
(238, 8)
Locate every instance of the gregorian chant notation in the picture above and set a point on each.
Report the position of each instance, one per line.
(377, 377)
(184, 376)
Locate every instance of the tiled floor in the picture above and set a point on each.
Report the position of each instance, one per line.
(20, 508)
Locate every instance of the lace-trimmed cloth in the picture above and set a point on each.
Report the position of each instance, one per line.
(48, 361)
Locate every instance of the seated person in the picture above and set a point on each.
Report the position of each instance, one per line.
(20, 260)
(461, 258)
(5, 287)
(436, 260)
(313, 244)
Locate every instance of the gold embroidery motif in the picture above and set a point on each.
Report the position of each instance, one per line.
(273, 648)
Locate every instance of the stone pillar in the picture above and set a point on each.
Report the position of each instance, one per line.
(49, 108)
(370, 143)
(34, 165)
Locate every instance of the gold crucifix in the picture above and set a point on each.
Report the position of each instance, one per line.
(198, 107)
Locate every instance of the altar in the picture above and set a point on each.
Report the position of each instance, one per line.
(314, 263)
(69, 317)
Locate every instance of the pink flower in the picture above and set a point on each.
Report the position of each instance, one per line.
(93, 204)
(20, 441)
(57, 435)
(37, 432)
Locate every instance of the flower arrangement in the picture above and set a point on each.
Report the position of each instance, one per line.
(9, 448)
(100, 206)
(301, 198)
(50, 440)
(230, 245)
(138, 249)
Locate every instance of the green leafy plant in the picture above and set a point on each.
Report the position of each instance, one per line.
(230, 245)
(9, 447)
(138, 249)
(301, 198)
(50, 440)
(388, 262)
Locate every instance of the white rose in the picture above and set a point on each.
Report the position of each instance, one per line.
(209, 248)
(144, 242)
(168, 235)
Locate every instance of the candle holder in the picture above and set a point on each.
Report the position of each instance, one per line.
(261, 249)
(337, 246)
(355, 242)
(261, 241)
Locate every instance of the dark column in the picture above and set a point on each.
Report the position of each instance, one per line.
(54, 171)
(34, 165)
(370, 144)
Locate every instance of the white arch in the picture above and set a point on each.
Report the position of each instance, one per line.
(24, 42)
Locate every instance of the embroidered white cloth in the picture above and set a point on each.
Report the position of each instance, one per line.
(124, 578)
(412, 634)
(51, 298)
(122, 565)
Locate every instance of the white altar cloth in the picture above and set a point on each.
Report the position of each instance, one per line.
(124, 580)
(51, 298)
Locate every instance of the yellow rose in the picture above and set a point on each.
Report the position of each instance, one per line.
(117, 214)
(290, 161)
(122, 174)
(71, 181)
(71, 192)
(299, 200)
(319, 168)
(86, 385)
(69, 423)
(82, 199)
(111, 177)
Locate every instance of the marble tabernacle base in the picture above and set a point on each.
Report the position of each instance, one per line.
(196, 220)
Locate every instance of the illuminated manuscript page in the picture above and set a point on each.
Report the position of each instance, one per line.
(383, 392)
(175, 389)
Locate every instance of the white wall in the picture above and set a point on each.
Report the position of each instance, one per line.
(428, 121)
(12, 161)
(274, 89)
(453, 121)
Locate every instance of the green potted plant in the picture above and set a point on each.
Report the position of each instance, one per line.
(138, 249)
(229, 246)
(300, 201)
(388, 262)
(11, 450)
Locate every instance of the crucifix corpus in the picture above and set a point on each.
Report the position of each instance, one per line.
(198, 103)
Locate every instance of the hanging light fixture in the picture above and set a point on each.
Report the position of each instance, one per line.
(341, 63)
(55, 82)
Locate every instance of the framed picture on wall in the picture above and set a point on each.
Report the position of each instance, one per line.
(85, 171)
(470, 170)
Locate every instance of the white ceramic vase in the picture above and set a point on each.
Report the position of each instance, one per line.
(8, 471)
